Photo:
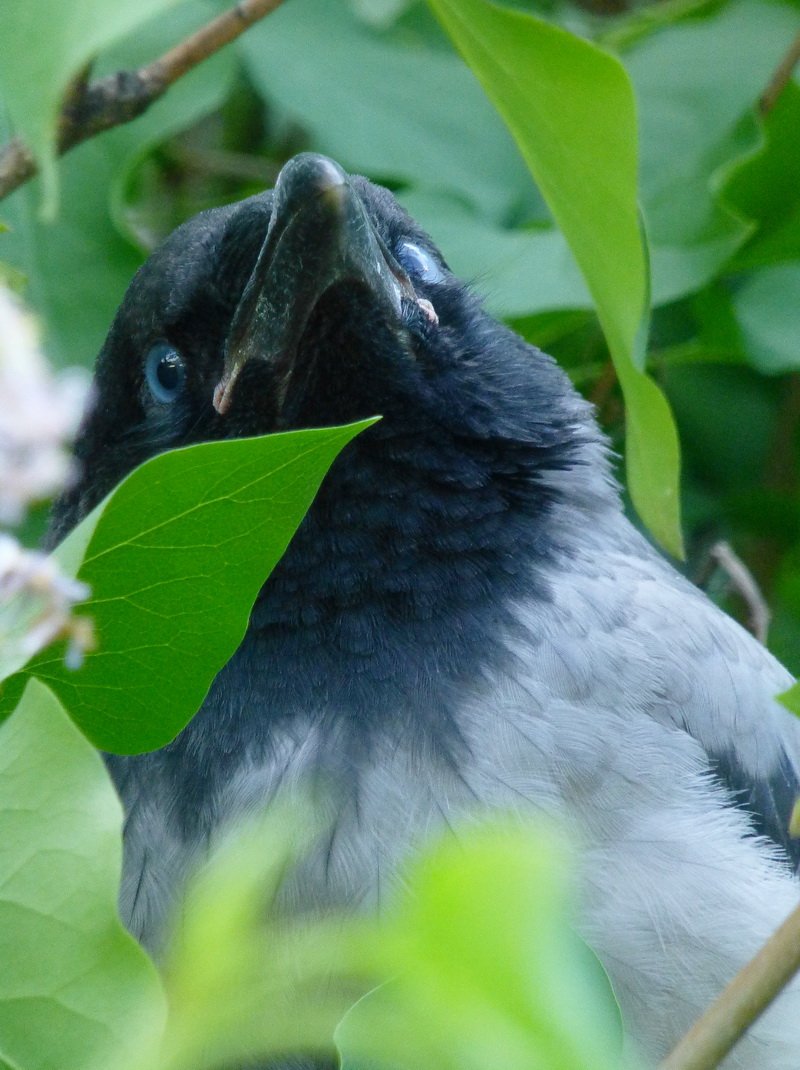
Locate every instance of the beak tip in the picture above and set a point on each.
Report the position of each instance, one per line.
(308, 175)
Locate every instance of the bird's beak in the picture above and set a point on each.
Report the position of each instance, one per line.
(319, 234)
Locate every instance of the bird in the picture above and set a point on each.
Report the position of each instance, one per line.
(464, 621)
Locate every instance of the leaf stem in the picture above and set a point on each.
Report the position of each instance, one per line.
(742, 1002)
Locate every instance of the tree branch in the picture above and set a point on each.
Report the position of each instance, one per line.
(91, 107)
(743, 1001)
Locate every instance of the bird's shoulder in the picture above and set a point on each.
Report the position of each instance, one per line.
(626, 632)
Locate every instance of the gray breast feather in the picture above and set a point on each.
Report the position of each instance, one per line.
(631, 634)
(608, 714)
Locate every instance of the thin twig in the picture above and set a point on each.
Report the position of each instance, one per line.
(781, 77)
(91, 107)
(743, 1001)
(745, 585)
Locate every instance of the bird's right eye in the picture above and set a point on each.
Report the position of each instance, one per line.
(165, 372)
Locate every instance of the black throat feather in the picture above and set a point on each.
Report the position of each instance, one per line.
(392, 601)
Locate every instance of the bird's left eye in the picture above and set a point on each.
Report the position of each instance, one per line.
(419, 262)
(165, 372)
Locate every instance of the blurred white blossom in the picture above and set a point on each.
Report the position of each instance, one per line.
(39, 414)
(36, 603)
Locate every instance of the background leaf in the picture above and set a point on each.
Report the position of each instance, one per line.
(385, 107)
(42, 48)
(90, 244)
(706, 118)
(767, 309)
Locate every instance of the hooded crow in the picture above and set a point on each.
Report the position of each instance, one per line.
(465, 620)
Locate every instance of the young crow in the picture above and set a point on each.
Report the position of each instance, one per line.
(465, 619)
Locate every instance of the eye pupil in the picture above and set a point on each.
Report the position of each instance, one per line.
(169, 371)
(165, 372)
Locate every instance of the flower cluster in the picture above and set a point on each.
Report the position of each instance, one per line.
(39, 414)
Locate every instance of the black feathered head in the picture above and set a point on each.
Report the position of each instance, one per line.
(318, 303)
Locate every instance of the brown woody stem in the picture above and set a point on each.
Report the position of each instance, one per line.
(742, 1002)
(91, 107)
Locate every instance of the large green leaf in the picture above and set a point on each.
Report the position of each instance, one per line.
(175, 558)
(78, 268)
(42, 47)
(570, 108)
(74, 986)
(487, 971)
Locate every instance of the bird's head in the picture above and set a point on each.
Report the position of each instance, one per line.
(318, 303)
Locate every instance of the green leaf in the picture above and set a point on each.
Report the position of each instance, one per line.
(642, 22)
(42, 48)
(766, 187)
(791, 699)
(570, 108)
(175, 559)
(487, 971)
(88, 246)
(243, 982)
(383, 108)
(767, 309)
(75, 988)
(693, 130)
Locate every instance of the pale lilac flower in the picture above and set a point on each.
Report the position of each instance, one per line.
(36, 603)
(39, 414)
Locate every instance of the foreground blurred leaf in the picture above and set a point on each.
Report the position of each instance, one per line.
(487, 972)
(42, 47)
(175, 558)
(243, 983)
(570, 108)
(74, 986)
(476, 967)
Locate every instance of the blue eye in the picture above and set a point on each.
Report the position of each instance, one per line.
(165, 372)
(419, 262)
